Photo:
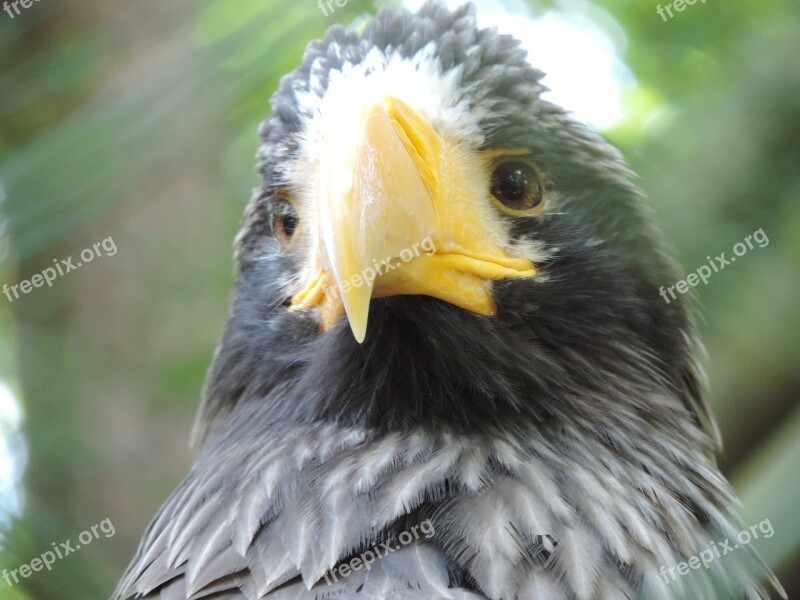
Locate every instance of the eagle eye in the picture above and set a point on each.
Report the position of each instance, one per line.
(283, 218)
(517, 185)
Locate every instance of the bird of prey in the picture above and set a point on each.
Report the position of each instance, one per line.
(447, 371)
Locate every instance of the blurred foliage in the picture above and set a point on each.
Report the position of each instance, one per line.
(137, 121)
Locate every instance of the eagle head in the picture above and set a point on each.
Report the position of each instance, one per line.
(447, 310)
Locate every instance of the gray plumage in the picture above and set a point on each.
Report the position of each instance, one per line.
(561, 450)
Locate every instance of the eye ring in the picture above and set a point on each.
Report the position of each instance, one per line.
(283, 218)
(517, 186)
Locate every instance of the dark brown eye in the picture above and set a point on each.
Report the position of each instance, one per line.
(517, 185)
(283, 218)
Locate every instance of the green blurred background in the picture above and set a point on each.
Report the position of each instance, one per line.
(136, 120)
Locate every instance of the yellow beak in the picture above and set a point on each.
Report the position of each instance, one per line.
(405, 213)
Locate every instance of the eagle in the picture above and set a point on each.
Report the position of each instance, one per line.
(447, 371)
